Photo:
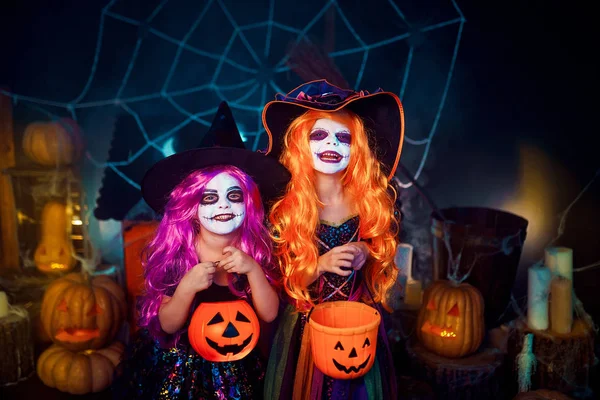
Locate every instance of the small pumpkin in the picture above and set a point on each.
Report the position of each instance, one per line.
(54, 253)
(224, 331)
(81, 313)
(53, 143)
(84, 372)
(343, 338)
(450, 322)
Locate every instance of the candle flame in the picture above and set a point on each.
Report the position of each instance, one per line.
(438, 331)
(57, 266)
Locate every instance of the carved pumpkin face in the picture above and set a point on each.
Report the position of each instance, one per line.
(53, 253)
(224, 331)
(344, 338)
(79, 314)
(451, 319)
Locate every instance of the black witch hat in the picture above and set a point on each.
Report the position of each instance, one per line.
(380, 111)
(221, 145)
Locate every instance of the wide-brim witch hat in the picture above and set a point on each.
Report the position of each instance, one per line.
(381, 112)
(221, 145)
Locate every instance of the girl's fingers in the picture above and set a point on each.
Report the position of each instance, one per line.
(349, 248)
(230, 249)
(228, 265)
(210, 270)
(227, 260)
(345, 256)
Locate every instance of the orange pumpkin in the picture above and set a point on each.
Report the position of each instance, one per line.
(135, 238)
(343, 338)
(54, 253)
(80, 313)
(224, 331)
(53, 143)
(79, 373)
(450, 322)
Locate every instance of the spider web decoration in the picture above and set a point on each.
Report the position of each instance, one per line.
(167, 64)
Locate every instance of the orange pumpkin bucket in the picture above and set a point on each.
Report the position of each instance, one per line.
(343, 337)
(224, 331)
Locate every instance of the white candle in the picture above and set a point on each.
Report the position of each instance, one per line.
(560, 261)
(413, 293)
(537, 297)
(404, 259)
(3, 305)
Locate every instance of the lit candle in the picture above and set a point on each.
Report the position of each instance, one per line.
(537, 297)
(3, 305)
(413, 293)
(560, 261)
(561, 305)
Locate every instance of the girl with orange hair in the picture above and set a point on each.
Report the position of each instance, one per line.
(335, 228)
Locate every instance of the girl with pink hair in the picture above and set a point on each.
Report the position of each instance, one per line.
(210, 246)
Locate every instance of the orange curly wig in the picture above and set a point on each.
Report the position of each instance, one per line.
(295, 216)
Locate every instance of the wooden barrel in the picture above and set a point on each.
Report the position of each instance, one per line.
(16, 347)
(564, 361)
(474, 377)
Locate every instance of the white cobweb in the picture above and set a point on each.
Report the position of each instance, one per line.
(179, 59)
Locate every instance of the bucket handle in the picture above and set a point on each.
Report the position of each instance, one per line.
(309, 314)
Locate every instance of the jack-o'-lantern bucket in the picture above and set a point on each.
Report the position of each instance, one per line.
(343, 338)
(224, 331)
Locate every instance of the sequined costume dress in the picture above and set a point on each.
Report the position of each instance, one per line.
(378, 383)
(150, 371)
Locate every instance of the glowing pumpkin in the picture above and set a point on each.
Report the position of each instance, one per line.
(54, 253)
(224, 331)
(450, 322)
(80, 313)
(79, 373)
(343, 338)
(53, 143)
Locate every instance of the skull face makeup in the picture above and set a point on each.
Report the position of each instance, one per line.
(222, 208)
(330, 146)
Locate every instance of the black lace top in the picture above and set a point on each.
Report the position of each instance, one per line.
(330, 286)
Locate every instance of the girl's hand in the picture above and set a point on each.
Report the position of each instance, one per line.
(339, 260)
(361, 256)
(199, 278)
(237, 261)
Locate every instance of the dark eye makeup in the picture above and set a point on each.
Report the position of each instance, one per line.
(236, 196)
(318, 134)
(344, 137)
(209, 198)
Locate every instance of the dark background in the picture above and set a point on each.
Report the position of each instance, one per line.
(518, 130)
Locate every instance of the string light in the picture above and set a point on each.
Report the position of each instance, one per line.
(253, 86)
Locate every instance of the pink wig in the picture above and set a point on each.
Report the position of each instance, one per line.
(171, 252)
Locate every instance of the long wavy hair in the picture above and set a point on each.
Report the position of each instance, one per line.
(172, 252)
(295, 217)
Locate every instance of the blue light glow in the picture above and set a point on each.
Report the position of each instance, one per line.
(252, 86)
(167, 148)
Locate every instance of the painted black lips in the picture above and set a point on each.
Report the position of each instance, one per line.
(352, 368)
(232, 348)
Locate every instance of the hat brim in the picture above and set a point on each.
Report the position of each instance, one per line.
(381, 113)
(269, 175)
